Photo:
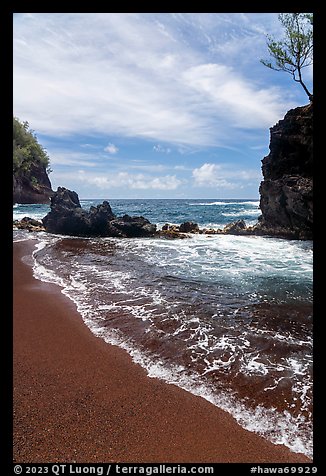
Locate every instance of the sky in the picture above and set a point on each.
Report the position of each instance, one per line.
(151, 105)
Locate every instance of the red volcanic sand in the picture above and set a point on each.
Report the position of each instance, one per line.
(78, 399)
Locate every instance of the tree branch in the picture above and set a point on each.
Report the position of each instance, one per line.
(294, 52)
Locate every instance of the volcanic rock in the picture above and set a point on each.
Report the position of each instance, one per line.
(67, 217)
(189, 227)
(286, 193)
(235, 228)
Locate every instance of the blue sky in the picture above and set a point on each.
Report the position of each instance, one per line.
(151, 105)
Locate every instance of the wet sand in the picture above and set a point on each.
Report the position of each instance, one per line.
(78, 399)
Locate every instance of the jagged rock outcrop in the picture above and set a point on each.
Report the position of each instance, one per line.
(29, 224)
(67, 217)
(131, 227)
(235, 228)
(33, 186)
(189, 227)
(178, 231)
(286, 193)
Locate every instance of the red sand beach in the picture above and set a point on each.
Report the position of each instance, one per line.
(79, 399)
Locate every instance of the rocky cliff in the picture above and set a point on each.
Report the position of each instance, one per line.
(286, 193)
(32, 186)
(31, 183)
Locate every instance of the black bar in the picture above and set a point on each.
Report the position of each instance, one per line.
(149, 469)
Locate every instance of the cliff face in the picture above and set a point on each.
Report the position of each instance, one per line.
(31, 183)
(33, 186)
(286, 198)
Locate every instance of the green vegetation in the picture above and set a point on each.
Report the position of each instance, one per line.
(26, 150)
(295, 51)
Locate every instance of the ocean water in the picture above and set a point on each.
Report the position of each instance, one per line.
(228, 318)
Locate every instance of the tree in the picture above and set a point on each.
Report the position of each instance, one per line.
(295, 51)
(26, 148)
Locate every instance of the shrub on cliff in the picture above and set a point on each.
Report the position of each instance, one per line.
(26, 149)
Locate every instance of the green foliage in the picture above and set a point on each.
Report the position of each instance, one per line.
(34, 181)
(295, 50)
(26, 149)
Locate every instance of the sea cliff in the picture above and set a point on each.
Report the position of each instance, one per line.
(286, 193)
(31, 183)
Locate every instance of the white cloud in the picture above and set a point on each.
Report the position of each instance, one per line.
(237, 99)
(309, 72)
(259, 147)
(207, 175)
(71, 158)
(89, 146)
(216, 175)
(160, 148)
(135, 75)
(149, 167)
(129, 181)
(181, 167)
(248, 174)
(111, 149)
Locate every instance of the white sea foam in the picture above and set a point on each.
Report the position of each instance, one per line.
(221, 203)
(17, 239)
(242, 213)
(209, 203)
(44, 274)
(19, 213)
(22, 235)
(255, 367)
(39, 246)
(251, 269)
(230, 256)
(279, 428)
(254, 203)
(245, 255)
